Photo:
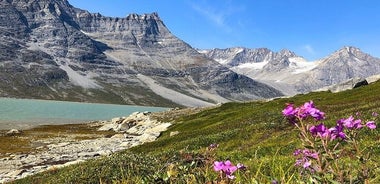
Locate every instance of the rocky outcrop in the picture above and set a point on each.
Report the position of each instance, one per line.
(130, 131)
(13, 132)
(373, 78)
(346, 85)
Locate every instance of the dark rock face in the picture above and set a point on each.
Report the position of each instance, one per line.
(51, 50)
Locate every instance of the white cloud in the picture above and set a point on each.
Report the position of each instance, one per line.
(309, 49)
(216, 17)
(220, 15)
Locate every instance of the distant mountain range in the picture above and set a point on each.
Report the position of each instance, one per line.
(292, 74)
(52, 50)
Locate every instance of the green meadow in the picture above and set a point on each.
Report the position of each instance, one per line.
(253, 133)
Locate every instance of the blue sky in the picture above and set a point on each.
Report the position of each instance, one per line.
(311, 28)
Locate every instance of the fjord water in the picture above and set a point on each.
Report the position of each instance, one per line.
(26, 113)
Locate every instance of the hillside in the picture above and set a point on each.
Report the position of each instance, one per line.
(253, 133)
(52, 50)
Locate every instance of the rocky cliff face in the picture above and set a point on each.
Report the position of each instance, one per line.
(292, 74)
(51, 50)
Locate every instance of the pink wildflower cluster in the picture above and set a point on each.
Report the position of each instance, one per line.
(338, 131)
(304, 157)
(351, 123)
(227, 168)
(343, 130)
(295, 114)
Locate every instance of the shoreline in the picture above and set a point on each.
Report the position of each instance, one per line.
(99, 138)
(27, 113)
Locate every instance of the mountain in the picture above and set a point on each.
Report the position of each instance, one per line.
(292, 74)
(344, 64)
(52, 50)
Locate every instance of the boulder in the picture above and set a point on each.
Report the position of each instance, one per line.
(116, 120)
(360, 83)
(118, 136)
(125, 125)
(173, 133)
(159, 128)
(13, 132)
(16, 172)
(347, 85)
(148, 137)
(108, 127)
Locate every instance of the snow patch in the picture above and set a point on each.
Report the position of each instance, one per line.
(203, 51)
(222, 61)
(255, 66)
(300, 65)
(238, 50)
(86, 33)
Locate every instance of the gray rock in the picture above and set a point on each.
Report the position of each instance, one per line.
(117, 120)
(13, 132)
(173, 133)
(16, 173)
(149, 137)
(108, 127)
(118, 136)
(346, 85)
(88, 154)
(125, 125)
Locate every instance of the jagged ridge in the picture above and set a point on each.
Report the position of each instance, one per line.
(61, 52)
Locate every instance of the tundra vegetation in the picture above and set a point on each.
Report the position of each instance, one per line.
(320, 137)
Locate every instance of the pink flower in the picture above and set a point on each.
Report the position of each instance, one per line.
(306, 164)
(290, 113)
(304, 157)
(371, 124)
(306, 110)
(297, 152)
(241, 166)
(310, 110)
(308, 153)
(227, 168)
(351, 123)
(218, 166)
(320, 131)
(337, 132)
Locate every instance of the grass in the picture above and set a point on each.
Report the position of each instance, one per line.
(253, 133)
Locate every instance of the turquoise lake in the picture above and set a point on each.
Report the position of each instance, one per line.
(25, 113)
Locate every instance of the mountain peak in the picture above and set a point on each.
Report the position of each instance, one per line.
(347, 51)
(286, 53)
(145, 16)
